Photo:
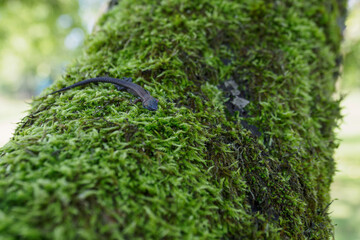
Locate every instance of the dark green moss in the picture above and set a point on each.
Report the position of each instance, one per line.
(88, 164)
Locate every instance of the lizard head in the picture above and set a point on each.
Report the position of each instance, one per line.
(151, 104)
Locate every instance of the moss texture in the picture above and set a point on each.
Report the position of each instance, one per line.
(87, 164)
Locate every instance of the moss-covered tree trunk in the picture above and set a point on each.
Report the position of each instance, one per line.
(89, 164)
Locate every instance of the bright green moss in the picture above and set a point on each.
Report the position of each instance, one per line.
(87, 164)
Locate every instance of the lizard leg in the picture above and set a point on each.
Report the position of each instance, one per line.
(119, 87)
(135, 101)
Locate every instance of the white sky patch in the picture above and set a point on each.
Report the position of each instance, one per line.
(64, 21)
(89, 11)
(352, 3)
(74, 39)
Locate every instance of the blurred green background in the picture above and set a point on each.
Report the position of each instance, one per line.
(345, 209)
(39, 38)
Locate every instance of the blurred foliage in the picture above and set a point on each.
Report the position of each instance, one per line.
(345, 189)
(35, 36)
(351, 49)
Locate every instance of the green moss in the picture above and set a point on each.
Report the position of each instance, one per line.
(88, 164)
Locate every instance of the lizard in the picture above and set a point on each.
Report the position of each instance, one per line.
(148, 101)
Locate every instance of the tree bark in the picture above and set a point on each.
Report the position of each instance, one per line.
(240, 148)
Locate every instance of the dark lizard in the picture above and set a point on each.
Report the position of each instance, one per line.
(148, 101)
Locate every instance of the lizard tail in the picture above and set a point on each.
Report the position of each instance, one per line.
(72, 86)
(97, 79)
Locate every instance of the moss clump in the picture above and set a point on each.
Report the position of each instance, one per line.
(87, 164)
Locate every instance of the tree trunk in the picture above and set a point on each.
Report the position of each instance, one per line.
(241, 146)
